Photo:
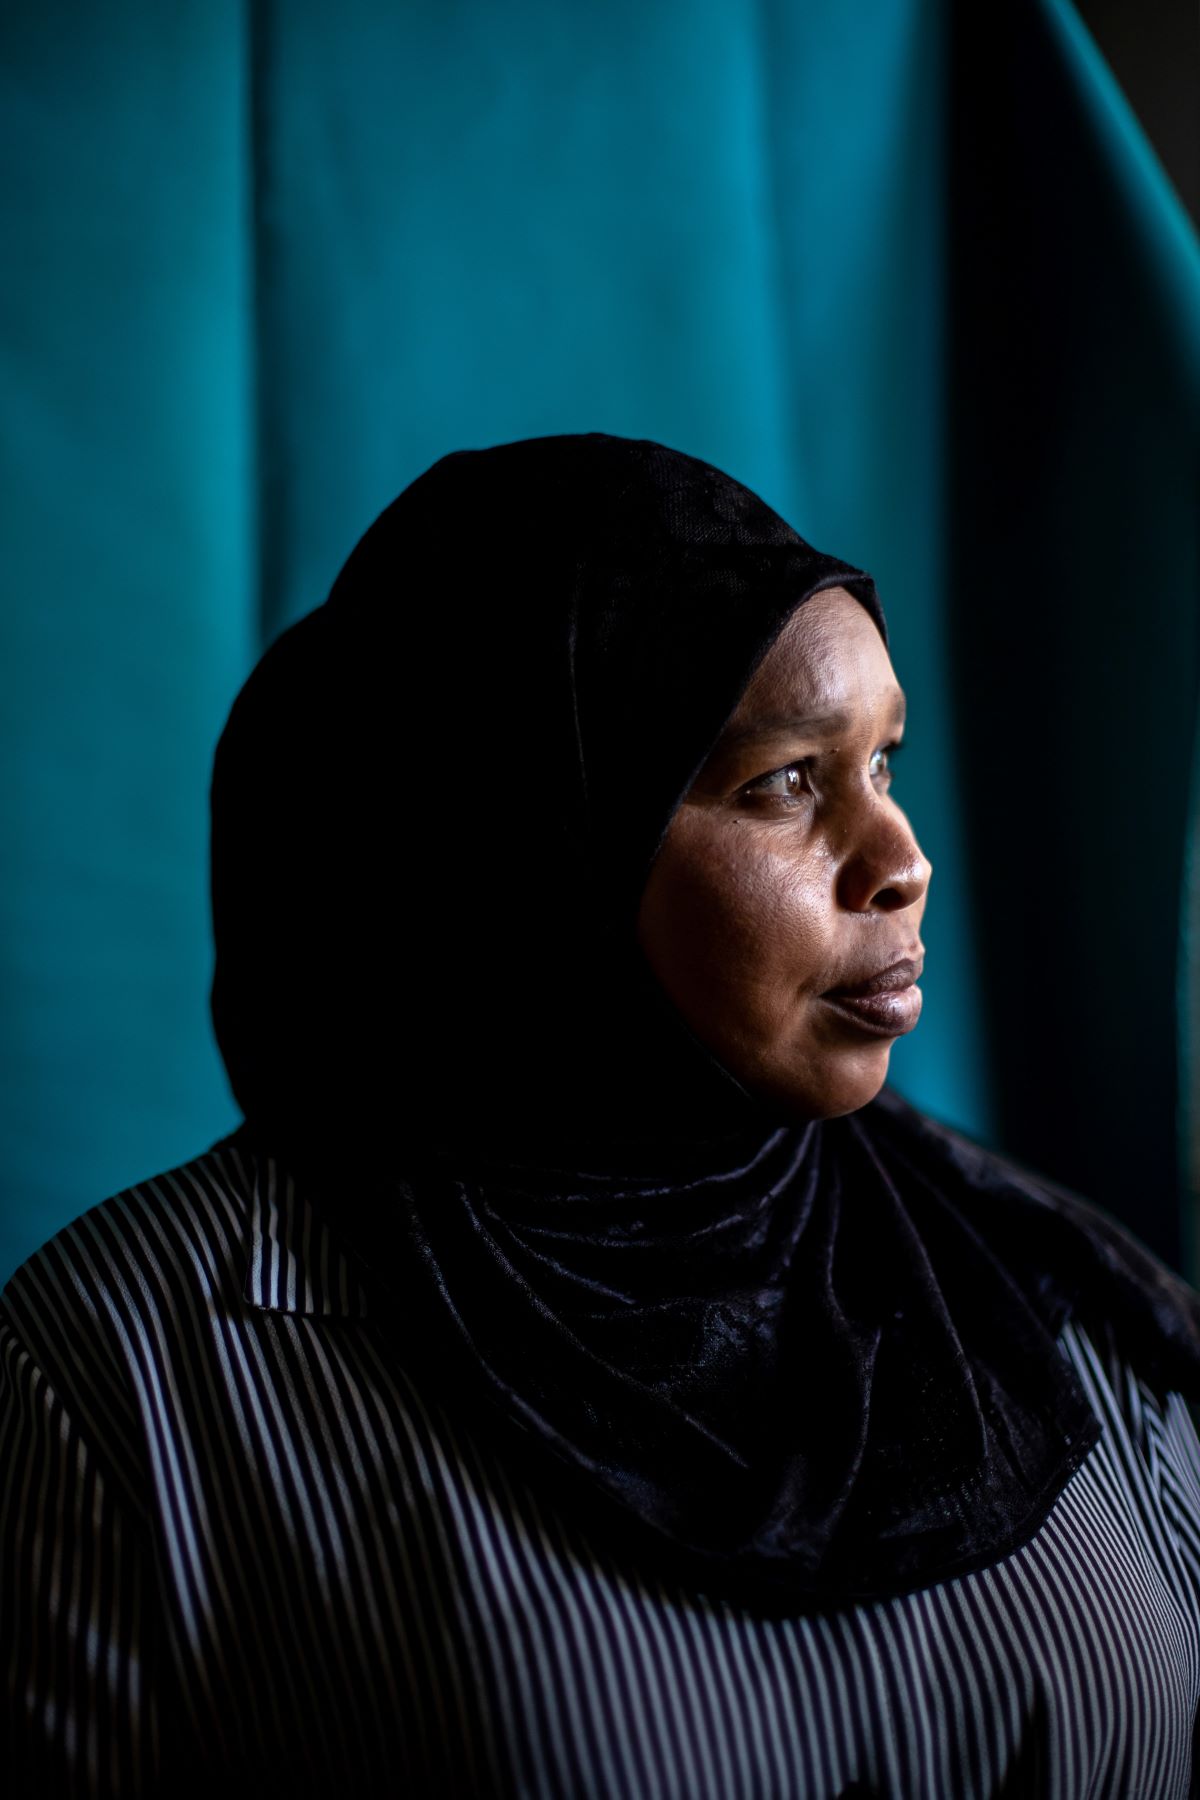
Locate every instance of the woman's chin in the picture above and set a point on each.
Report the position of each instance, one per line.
(824, 1086)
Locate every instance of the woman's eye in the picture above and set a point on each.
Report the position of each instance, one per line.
(881, 764)
(790, 782)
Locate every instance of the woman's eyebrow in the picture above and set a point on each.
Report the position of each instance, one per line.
(803, 724)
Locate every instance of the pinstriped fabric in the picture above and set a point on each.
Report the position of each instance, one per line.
(242, 1551)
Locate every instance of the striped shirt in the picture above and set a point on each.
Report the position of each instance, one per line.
(240, 1547)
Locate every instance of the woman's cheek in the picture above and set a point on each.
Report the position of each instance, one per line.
(796, 912)
(740, 924)
(772, 937)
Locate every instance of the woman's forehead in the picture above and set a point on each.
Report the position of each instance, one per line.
(828, 659)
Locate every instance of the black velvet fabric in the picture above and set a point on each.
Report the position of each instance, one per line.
(800, 1364)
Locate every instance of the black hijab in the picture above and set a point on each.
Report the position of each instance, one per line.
(796, 1364)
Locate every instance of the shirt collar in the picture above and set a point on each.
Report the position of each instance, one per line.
(295, 1263)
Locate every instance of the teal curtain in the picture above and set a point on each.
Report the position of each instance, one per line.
(272, 259)
(129, 613)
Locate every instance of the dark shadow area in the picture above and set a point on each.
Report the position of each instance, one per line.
(1074, 614)
(1154, 51)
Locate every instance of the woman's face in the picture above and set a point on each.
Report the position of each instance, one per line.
(782, 914)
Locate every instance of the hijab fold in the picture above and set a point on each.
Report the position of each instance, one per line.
(797, 1364)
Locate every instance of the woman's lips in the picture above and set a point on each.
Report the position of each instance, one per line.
(886, 1004)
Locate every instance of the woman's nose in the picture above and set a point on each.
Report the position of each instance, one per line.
(886, 871)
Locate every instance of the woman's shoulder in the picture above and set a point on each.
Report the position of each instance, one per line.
(130, 1261)
(212, 1187)
(152, 1276)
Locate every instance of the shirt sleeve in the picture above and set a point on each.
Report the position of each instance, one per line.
(1176, 1453)
(80, 1707)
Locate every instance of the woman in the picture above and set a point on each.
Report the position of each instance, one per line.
(579, 1375)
